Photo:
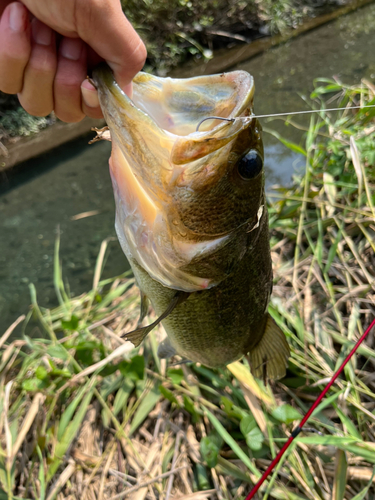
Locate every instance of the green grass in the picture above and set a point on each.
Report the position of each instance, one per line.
(176, 31)
(179, 30)
(82, 415)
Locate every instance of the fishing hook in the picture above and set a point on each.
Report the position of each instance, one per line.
(213, 118)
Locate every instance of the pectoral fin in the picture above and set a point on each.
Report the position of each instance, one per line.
(144, 308)
(137, 336)
(269, 357)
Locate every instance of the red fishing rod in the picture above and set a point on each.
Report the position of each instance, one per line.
(298, 429)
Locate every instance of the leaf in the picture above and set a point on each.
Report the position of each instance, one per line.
(227, 403)
(147, 404)
(57, 351)
(71, 324)
(202, 478)
(71, 431)
(113, 294)
(333, 87)
(168, 395)
(67, 416)
(247, 424)
(356, 164)
(332, 251)
(339, 482)
(41, 373)
(189, 406)
(137, 367)
(361, 495)
(232, 443)
(41, 475)
(122, 396)
(226, 467)
(286, 414)
(360, 448)
(243, 375)
(330, 188)
(255, 439)
(348, 424)
(290, 145)
(176, 375)
(34, 384)
(210, 447)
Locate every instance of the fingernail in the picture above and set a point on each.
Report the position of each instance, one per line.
(90, 97)
(42, 34)
(71, 48)
(17, 17)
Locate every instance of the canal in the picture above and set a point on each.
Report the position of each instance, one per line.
(48, 192)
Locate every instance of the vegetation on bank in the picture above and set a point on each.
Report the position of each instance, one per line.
(83, 415)
(179, 30)
(176, 31)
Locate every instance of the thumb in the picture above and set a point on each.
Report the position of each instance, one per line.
(104, 27)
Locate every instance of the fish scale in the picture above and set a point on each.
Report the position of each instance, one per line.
(193, 222)
(209, 327)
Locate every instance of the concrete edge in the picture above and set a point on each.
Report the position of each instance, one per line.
(59, 133)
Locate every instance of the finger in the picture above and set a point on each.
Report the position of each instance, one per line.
(105, 28)
(15, 47)
(37, 93)
(90, 100)
(71, 70)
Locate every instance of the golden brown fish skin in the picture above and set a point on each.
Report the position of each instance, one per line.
(220, 324)
(218, 208)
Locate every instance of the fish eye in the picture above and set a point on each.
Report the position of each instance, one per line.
(250, 165)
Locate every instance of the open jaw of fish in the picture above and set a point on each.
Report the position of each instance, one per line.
(191, 213)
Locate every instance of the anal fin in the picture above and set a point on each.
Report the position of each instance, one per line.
(166, 349)
(268, 359)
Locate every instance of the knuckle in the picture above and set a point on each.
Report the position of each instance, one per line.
(43, 66)
(67, 83)
(140, 55)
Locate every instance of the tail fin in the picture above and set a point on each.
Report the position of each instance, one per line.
(269, 357)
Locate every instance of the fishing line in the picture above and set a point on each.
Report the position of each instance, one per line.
(283, 114)
(299, 427)
(314, 111)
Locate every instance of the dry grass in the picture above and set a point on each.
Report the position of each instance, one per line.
(84, 416)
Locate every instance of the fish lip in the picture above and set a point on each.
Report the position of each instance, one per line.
(102, 74)
(153, 158)
(184, 149)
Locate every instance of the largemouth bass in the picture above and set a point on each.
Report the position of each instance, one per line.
(191, 214)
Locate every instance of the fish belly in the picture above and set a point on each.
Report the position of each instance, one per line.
(219, 325)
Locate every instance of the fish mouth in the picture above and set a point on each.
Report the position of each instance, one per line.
(159, 161)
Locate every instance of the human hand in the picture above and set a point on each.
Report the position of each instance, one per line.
(47, 47)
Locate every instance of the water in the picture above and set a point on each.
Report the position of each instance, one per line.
(284, 76)
(35, 199)
(46, 192)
